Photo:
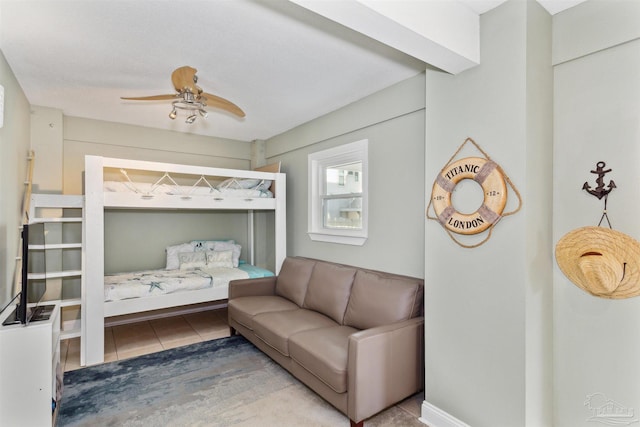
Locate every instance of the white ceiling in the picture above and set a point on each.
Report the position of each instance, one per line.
(281, 63)
(552, 6)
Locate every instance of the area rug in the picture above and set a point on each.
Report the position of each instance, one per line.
(224, 382)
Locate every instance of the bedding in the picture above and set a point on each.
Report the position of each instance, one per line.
(258, 189)
(189, 260)
(217, 246)
(178, 254)
(159, 282)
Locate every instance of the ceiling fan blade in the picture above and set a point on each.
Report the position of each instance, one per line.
(183, 78)
(151, 98)
(216, 101)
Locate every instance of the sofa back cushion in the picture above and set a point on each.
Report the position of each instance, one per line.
(379, 299)
(329, 289)
(293, 279)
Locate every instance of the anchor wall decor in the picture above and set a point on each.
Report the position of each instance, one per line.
(600, 191)
(600, 260)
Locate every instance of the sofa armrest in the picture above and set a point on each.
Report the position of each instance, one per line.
(252, 287)
(386, 364)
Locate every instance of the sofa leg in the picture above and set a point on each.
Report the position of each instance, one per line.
(232, 330)
(355, 424)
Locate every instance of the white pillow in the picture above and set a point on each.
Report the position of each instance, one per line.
(264, 185)
(189, 260)
(238, 183)
(207, 245)
(173, 263)
(225, 246)
(220, 259)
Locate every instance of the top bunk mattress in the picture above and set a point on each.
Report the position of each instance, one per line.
(137, 184)
(232, 187)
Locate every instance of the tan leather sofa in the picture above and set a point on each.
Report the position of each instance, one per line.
(352, 335)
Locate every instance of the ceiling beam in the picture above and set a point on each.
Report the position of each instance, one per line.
(444, 34)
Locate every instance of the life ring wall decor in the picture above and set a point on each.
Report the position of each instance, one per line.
(484, 172)
(493, 181)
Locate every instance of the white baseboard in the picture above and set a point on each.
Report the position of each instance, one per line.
(436, 417)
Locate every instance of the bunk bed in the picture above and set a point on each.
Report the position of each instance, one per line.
(163, 186)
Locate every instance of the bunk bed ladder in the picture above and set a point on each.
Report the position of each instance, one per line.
(63, 217)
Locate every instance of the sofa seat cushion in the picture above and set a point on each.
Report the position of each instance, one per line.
(275, 328)
(324, 353)
(243, 309)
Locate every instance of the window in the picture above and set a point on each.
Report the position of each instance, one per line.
(338, 194)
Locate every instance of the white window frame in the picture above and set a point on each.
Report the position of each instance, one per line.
(317, 163)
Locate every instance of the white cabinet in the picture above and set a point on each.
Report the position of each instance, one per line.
(30, 370)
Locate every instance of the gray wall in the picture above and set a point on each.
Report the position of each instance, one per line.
(132, 239)
(499, 316)
(597, 115)
(14, 147)
(393, 122)
(136, 240)
(508, 330)
(487, 310)
(95, 137)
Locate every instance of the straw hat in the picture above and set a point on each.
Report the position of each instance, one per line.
(601, 261)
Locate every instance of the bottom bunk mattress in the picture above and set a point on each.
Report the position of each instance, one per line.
(147, 283)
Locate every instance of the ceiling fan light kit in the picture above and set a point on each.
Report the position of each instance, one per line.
(190, 105)
(190, 97)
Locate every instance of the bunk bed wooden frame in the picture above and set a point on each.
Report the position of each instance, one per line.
(94, 308)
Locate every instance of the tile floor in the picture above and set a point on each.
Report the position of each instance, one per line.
(136, 339)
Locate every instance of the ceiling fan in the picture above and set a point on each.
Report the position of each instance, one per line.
(190, 97)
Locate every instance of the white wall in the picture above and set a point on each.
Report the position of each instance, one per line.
(597, 116)
(14, 147)
(393, 122)
(487, 310)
